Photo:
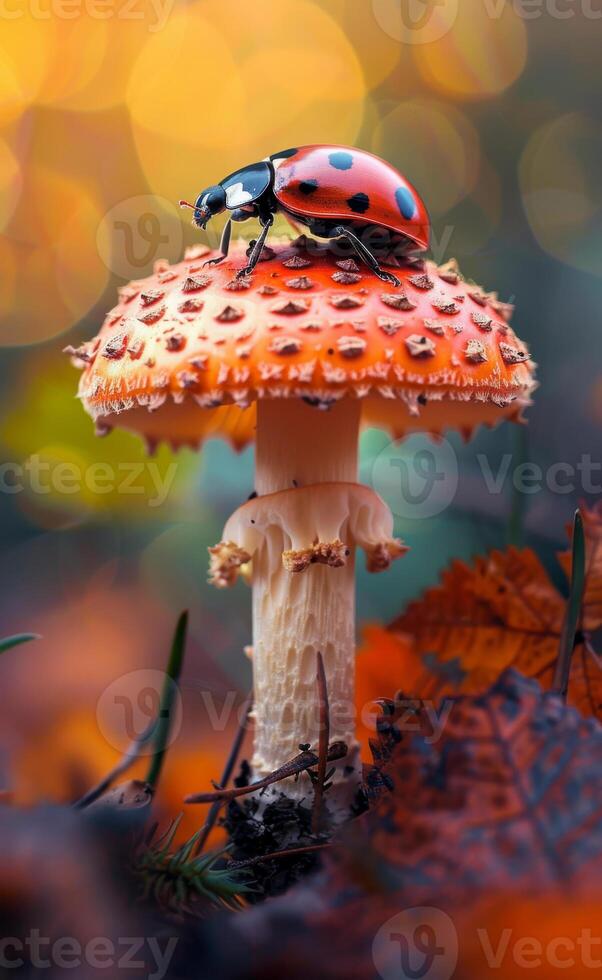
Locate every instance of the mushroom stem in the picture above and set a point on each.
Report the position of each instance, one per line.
(297, 444)
(295, 615)
(298, 539)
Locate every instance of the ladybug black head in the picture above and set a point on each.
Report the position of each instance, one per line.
(209, 202)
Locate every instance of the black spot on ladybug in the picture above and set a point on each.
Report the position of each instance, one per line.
(340, 160)
(405, 202)
(308, 186)
(359, 203)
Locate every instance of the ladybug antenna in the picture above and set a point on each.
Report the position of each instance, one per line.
(185, 204)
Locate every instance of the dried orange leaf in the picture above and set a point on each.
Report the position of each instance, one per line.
(501, 612)
(507, 796)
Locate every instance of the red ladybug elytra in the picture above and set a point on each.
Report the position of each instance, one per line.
(337, 192)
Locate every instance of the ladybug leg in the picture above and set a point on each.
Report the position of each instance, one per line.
(365, 254)
(257, 248)
(224, 245)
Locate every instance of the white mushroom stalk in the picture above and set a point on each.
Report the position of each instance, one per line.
(300, 535)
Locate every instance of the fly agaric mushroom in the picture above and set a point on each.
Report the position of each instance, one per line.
(193, 352)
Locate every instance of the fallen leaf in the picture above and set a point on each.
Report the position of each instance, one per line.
(502, 611)
(507, 798)
(490, 616)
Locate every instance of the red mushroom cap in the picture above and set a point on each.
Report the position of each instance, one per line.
(187, 351)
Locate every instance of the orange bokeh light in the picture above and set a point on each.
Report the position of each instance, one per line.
(59, 272)
(483, 52)
(230, 102)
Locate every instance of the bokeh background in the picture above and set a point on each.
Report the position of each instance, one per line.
(109, 113)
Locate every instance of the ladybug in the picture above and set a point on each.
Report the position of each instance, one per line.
(337, 192)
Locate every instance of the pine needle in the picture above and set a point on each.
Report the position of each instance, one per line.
(182, 882)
